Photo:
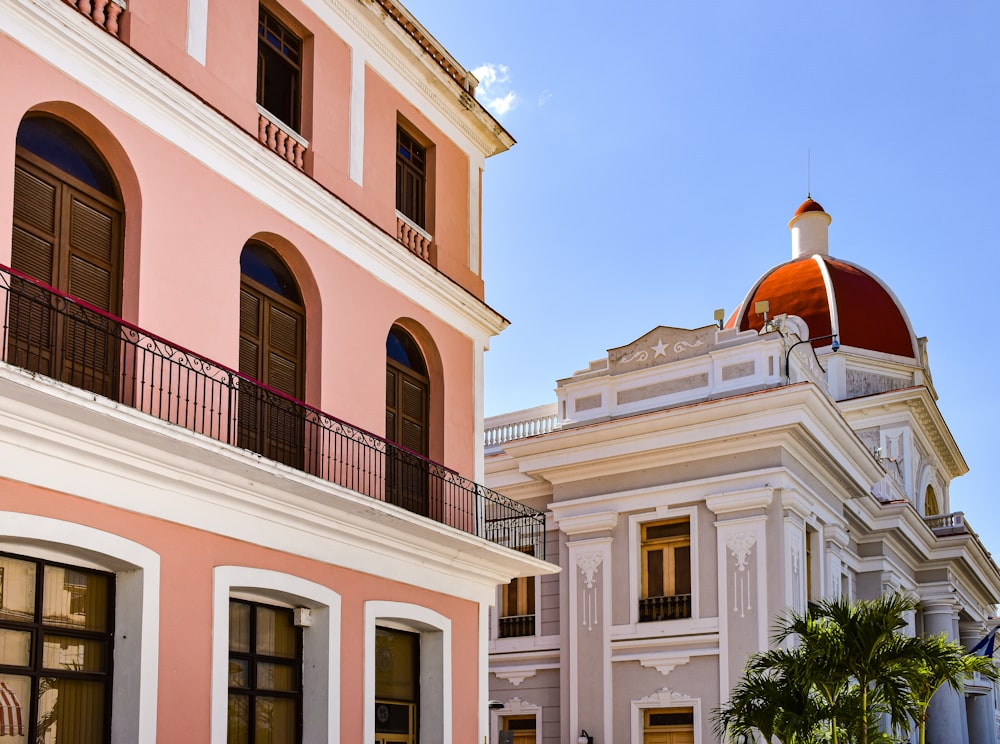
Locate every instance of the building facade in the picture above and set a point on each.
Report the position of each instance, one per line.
(228, 219)
(699, 482)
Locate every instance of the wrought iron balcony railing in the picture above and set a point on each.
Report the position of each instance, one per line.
(654, 609)
(50, 333)
(516, 626)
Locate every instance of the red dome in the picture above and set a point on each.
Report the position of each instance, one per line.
(808, 206)
(831, 296)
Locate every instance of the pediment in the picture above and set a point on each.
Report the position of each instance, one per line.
(661, 345)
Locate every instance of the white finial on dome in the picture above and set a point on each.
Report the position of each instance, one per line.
(810, 230)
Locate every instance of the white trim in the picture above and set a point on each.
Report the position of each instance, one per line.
(665, 698)
(137, 607)
(320, 646)
(197, 29)
(475, 215)
(435, 665)
(356, 151)
(64, 439)
(516, 707)
(635, 523)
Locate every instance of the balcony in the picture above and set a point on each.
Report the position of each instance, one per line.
(655, 609)
(516, 626)
(948, 524)
(53, 334)
(105, 13)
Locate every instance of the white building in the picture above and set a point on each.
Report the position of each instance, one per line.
(698, 482)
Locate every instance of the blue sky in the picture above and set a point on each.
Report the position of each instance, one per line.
(662, 149)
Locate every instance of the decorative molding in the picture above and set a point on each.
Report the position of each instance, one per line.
(517, 706)
(664, 663)
(665, 697)
(740, 544)
(589, 562)
(579, 524)
(515, 675)
(737, 501)
(640, 355)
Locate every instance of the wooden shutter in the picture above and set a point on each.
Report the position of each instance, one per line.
(272, 337)
(69, 236)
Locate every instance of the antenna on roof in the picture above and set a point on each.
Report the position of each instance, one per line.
(808, 173)
(720, 316)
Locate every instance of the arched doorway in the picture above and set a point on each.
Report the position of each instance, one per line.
(68, 233)
(272, 352)
(406, 420)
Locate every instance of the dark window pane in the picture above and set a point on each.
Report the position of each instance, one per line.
(654, 573)
(682, 570)
(65, 148)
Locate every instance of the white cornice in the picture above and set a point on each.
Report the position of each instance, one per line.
(82, 51)
(580, 524)
(797, 416)
(455, 105)
(64, 439)
(918, 401)
(740, 501)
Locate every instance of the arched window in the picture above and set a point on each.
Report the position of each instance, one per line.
(931, 506)
(272, 352)
(67, 233)
(406, 418)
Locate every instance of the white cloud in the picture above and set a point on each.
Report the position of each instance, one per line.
(544, 97)
(494, 89)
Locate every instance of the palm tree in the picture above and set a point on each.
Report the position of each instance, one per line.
(771, 702)
(942, 662)
(856, 645)
(845, 665)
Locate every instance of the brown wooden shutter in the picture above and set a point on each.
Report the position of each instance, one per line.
(68, 236)
(272, 340)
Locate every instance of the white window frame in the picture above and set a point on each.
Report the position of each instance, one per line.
(635, 525)
(435, 705)
(137, 607)
(320, 645)
(665, 698)
(516, 707)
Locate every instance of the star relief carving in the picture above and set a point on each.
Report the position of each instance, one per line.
(660, 348)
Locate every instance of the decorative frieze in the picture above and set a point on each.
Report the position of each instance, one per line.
(861, 383)
(740, 545)
(660, 389)
(589, 562)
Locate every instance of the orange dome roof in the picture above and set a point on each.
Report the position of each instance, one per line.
(808, 206)
(831, 296)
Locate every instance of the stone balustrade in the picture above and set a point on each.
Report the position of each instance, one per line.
(105, 13)
(279, 138)
(521, 424)
(413, 237)
(948, 524)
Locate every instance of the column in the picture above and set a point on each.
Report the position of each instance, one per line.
(946, 722)
(586, 667)
(980, 703)
(744, 614)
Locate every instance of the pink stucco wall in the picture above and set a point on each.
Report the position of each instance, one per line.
(185, 228)
(227, 81)
(186, 612)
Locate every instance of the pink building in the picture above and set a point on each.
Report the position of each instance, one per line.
(229, 217)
